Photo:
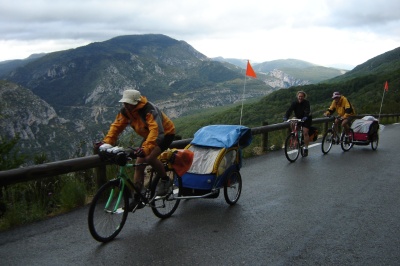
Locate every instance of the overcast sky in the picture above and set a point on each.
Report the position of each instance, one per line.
(322, 32)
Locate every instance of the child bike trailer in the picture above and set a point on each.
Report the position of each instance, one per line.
(366, 131)
(216, 163)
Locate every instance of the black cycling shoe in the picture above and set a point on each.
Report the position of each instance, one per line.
(140, 206)
(135, 202)
(305, 152)
(132, 206)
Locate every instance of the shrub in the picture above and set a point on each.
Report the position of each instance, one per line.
(72, 194)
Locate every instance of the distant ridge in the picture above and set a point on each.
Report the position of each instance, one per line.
(9, 65)
(284, 73)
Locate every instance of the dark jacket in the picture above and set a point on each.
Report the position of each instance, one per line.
(300, 109)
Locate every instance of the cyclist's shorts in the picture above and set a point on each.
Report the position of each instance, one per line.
(350, 119)
(168, 139)
(307, 123)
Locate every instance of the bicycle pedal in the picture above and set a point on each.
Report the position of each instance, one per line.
(140, 205)
(134, 205)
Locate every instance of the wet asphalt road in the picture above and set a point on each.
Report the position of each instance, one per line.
(336, 209)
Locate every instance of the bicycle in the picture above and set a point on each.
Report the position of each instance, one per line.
(294, 142)
(331, 137)
(110, 206)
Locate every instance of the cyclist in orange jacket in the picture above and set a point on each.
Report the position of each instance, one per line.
(157, 130)
(343, 107)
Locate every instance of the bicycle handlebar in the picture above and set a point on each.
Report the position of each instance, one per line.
(336, 117)
(118, 155)
(294, 120)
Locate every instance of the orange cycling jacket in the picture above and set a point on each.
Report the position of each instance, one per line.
(343, 108)
(147, 121)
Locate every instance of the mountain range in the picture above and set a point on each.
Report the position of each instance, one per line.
(61, 102)
(284, 73)
(83, 87)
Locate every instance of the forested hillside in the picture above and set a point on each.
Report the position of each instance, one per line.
(363, 86)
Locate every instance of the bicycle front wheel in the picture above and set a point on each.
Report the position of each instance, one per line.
(327, 141)
(233, 187)
(346, 140)
(165, 204)
(292, 148)
(108, 211)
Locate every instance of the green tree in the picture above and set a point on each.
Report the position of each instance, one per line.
(9, 154)
(9, 158)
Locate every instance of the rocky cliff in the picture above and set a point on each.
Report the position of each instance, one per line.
(279, 79)
(36, 123)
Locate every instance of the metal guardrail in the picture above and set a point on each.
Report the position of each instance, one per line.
(35, 172)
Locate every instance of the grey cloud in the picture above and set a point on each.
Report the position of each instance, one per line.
(195, 21)
(360, 13)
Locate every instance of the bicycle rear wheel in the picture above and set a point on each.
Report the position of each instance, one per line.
(165, 205)
(233, 187)
(327, 141)
(108, 211)
(346, 141)
(292, 148)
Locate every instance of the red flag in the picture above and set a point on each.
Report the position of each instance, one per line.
(249, 71)
(386, 86)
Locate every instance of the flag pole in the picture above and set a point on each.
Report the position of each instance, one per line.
(241, 109)
(381, 105)
(385, 88)
(249, 72)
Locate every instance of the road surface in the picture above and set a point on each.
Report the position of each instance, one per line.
(336, 209)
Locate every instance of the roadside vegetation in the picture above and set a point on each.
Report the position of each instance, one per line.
(31, 201)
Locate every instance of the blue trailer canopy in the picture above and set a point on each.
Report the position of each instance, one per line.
(223, 136)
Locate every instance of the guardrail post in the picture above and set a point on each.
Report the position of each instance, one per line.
(101, 176)
(264, 139)
(325, 127)
(100, 172)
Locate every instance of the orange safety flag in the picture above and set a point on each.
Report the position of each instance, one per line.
(386, 86)
(249, 71)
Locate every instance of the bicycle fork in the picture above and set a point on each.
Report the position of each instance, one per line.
(115, 209)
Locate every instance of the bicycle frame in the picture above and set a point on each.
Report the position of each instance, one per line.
(332, 137)
(126, 182)
(335, 130)
(338, 130)
(117, 197)
(298, 131)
